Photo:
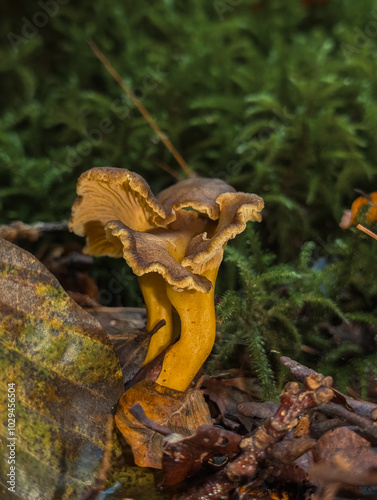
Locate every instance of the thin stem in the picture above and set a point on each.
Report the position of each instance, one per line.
(101, 56)
(167, 169)
(365, 230)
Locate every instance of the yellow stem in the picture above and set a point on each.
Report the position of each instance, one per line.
(158, 307)
(198, 330)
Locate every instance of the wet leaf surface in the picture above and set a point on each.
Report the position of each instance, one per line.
(67, 380)
(184, 457)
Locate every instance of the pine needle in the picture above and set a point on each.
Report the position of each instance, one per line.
(367, 231)
(167, 169)
(101, 56)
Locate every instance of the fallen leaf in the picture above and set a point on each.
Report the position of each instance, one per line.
(184, 457)
(130, 342)
(256, 409)
(66, 375)
(182, 412)
(227, 394)
(114, 317)
(70, 267)
(294, 472)
(216, 486)
(345, 450)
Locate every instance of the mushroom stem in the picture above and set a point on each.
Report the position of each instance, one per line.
(153, 288)
(198, 330)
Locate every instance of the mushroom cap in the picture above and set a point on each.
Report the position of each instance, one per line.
(236, 209)
(197, 193)
(363, 205)
(107, 193)
(120, 216)
(154, 252)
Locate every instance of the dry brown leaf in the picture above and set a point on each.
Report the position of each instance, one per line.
(345, 450)
(227, 394)
(184, 457)
(182, 412)
(130, 342)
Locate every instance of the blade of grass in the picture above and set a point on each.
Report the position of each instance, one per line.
(101, 56)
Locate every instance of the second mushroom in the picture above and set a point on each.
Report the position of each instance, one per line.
(174, 243)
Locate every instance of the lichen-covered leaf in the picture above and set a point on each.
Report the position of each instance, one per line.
(67, 380)
(125, 328)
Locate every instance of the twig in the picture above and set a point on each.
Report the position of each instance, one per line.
(157, 326)
(330, 480)
(335, 410)
(101, 56)
(362, 193)
(367, 231)
(293, 404)
(167, 169)
(32, 232)
(318, 428)
(300, 372)
(137, 411)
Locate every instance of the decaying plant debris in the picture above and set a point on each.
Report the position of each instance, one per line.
(290, 114)
(279, 454)
(217, 440)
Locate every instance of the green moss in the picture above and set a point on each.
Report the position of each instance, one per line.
(275, 99)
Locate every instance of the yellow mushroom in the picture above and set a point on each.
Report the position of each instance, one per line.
(174, 244)
(106, 194)
(196, 308)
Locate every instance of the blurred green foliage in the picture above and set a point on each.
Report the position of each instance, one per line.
(273, 97)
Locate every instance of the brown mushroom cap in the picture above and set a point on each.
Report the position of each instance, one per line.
(155, 253)
(198, 193)
(106, 194)
(236, 209)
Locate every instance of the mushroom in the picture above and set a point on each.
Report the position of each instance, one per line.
(174, 244)
(363, 207)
